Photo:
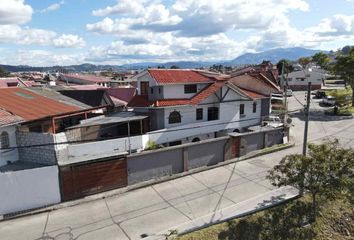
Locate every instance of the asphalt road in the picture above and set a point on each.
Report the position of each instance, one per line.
(187, 202)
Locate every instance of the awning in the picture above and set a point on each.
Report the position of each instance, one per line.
(120, 117)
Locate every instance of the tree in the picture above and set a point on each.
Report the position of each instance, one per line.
(4, 73)
(324, 173)
(303, 61)
(174, 67)
(321, 59)
(344, 67)
(288, 66)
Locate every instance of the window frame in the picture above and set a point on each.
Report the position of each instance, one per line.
(242, 109)
(5, 140)
(174, 119)
(199, 114)
(211, 113)
(190, 88)
(254, 107)
(144, 88)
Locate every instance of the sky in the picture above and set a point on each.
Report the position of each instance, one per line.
(65, 32)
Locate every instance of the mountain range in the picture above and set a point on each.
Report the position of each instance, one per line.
(273, 55)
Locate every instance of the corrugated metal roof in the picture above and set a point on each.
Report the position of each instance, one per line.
(31, 106)
(172, 76)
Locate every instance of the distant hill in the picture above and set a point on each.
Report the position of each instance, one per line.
(273, 55)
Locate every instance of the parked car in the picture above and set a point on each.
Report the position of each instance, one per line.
(329, 101)
(273, 121)
(320, 94)
(289, 93)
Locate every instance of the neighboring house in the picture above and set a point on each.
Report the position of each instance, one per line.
(43, 122)
(8, 127)
(85, 79)
(190, 105)
(298, 80)
(9, 82)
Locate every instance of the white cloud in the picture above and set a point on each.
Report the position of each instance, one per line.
(69, 41)
(122, 7)
(53, 7)
(40, 58)
(25, 36)
(14, 12)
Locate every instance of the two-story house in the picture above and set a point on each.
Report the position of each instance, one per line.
(191, 105)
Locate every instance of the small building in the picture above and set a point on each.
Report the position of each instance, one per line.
(298, 80)
(85, 79)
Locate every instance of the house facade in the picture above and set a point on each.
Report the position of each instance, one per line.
(189, 105)
(298, 80)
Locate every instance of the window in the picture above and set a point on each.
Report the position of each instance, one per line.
(5, 141)
(159, 90)
(175, 143)
(213, 113)
(242, 109)
(144, 87)
(175, 117)
(199, 114)
(254, 107)
(191, 88)
(151, 90)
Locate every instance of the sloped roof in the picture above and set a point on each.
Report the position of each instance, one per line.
(252, 94)
(178, 76)
(88, 78)
(31, 106)
(123, 94)
(7, 118)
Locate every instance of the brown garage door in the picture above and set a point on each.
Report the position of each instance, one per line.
(85, 179)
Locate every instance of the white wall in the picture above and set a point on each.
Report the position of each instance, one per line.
(145, 77)
(27, 189)
(312, 76)
(100, 149)
(177, 91)
(9, 154)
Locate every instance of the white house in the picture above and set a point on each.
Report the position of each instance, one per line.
(8, 127)
(298, 80)
(190, 105)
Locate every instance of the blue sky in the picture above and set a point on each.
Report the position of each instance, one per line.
(64, 32)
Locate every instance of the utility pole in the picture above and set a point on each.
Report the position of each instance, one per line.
(284, 86)
(307, 117)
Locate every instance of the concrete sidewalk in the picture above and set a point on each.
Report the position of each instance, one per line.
(185, 203)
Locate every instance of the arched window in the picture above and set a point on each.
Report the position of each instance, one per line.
(175, 117)
(5, 141)
(254, 107)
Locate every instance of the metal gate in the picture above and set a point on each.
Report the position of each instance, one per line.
(93, 177)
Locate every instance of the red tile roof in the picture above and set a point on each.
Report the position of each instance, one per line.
(88, 78)
(173, 76)
(7, 118)
(252, 94)
(31, 106)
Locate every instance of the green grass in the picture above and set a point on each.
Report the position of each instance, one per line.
(335, 222)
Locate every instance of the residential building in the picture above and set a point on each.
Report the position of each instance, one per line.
(298, 80)
(191, 105)
(85, 79)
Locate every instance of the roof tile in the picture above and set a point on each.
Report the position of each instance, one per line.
(173, 76)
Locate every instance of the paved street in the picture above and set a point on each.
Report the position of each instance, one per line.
(193, 200)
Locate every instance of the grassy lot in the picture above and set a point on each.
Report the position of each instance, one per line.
(336, 222)
(343, 97)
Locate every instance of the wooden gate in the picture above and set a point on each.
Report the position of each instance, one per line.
(93, 177)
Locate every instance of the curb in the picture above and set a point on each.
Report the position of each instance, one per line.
(137, 186)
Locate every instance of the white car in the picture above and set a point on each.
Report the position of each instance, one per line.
(329, 101)
(289, 93)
